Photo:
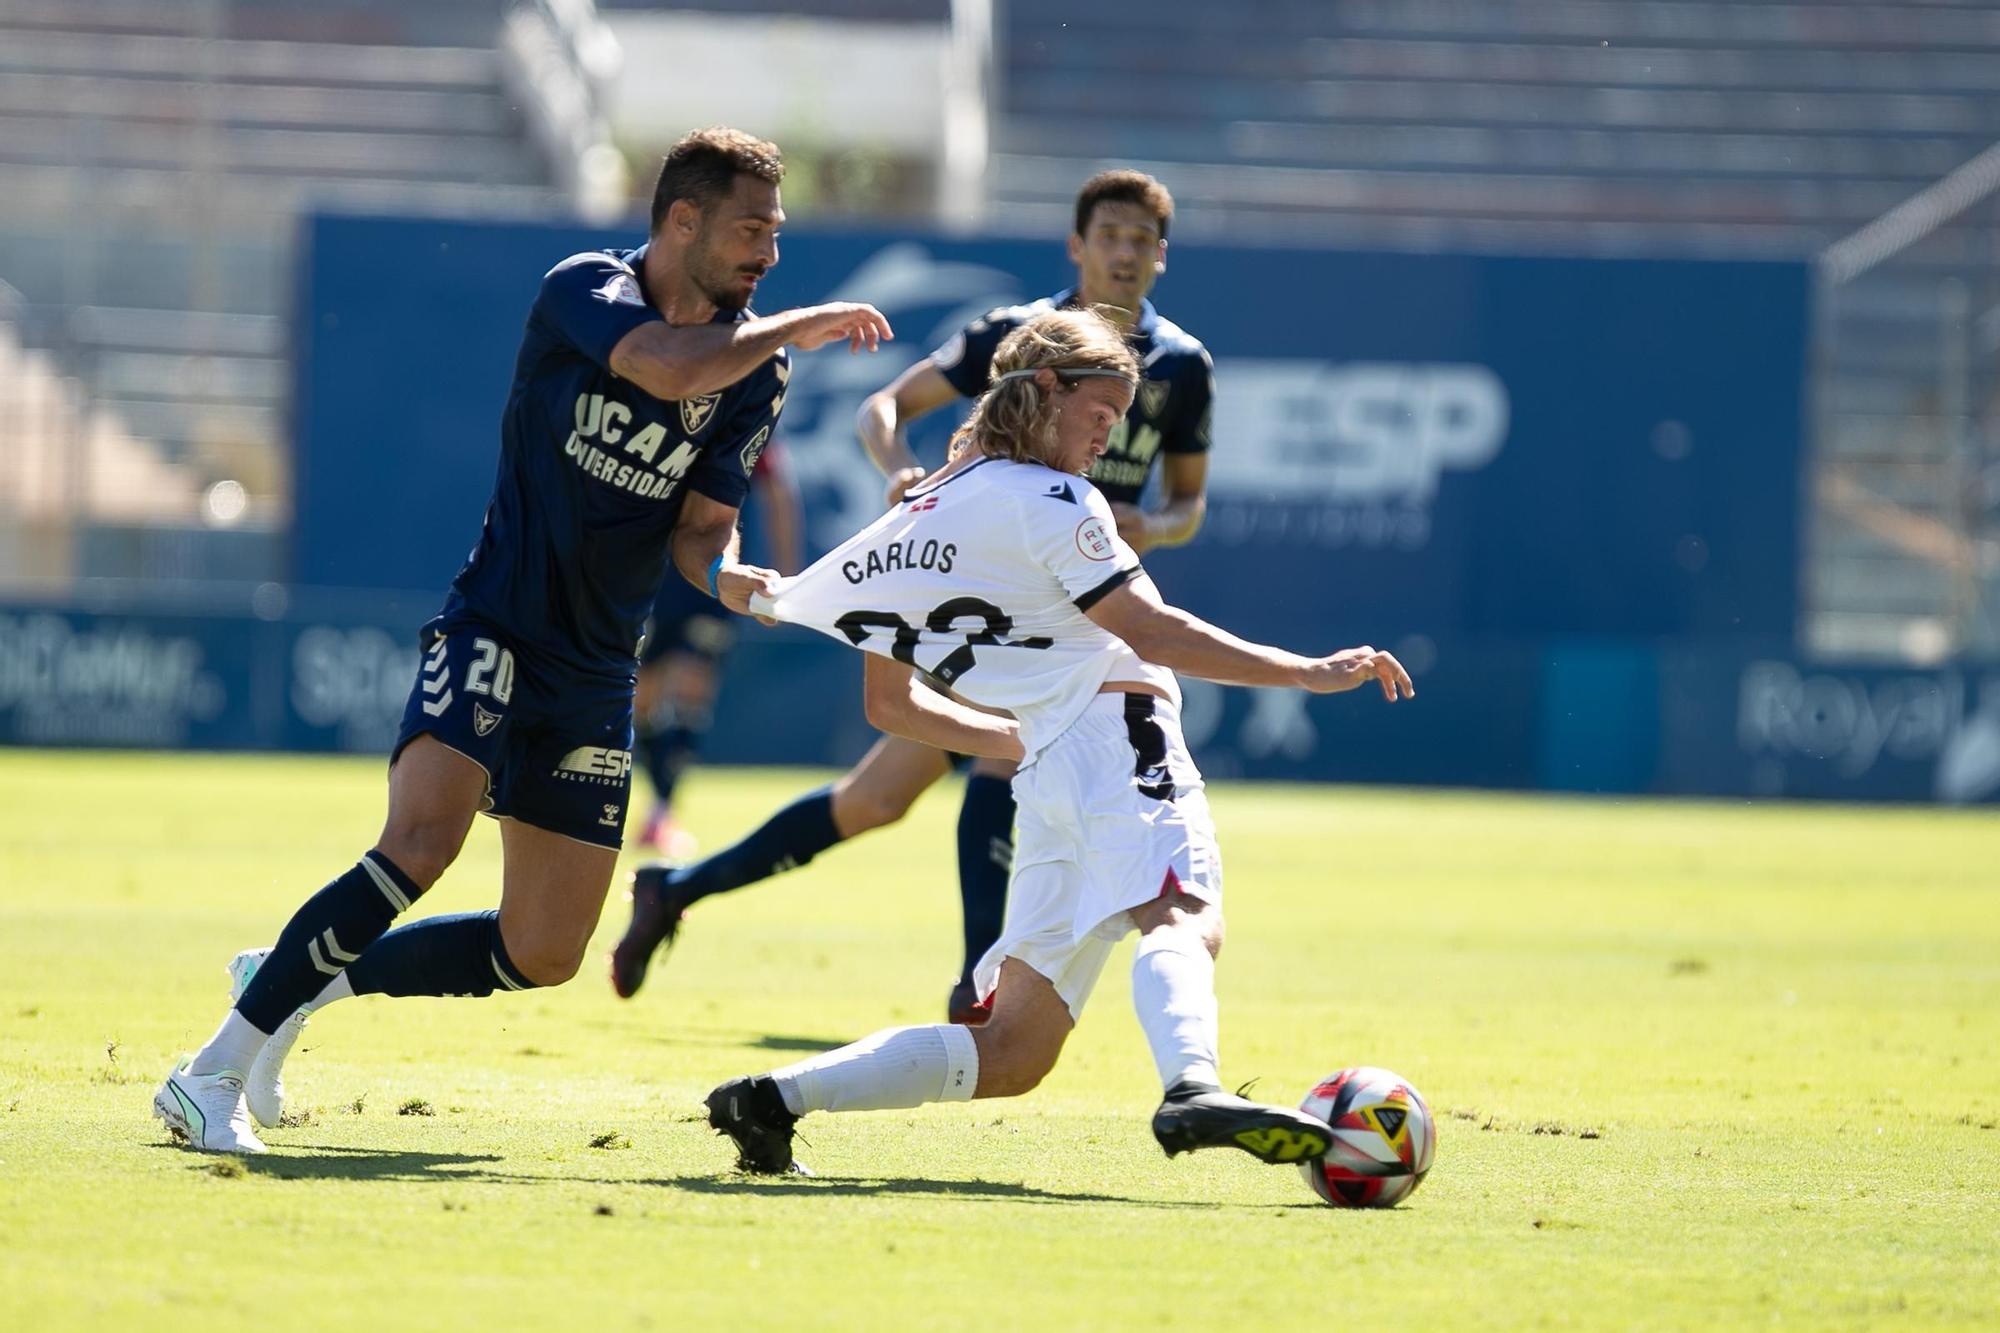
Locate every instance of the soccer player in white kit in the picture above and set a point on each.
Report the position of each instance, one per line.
(1003, 579)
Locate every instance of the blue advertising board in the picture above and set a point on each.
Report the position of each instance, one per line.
(1676, 717)
(1444, 445)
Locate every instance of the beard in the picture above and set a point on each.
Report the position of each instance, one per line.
(718, 281)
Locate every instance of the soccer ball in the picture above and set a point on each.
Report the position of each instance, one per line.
(1383, 1139)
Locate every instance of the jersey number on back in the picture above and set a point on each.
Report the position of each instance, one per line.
(857, 625)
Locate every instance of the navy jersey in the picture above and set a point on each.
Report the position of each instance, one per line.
(593, 472)
(1169, 413)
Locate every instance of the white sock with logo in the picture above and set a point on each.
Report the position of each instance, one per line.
(894, 1068)
(1173, 992)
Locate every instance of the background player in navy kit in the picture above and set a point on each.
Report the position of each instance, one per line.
(680, 664)
(643, 393)
(1119, 247)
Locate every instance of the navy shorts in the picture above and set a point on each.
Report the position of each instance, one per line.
(687, 620)
(556, 745)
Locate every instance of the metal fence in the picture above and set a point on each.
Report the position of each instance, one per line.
(1903, 552)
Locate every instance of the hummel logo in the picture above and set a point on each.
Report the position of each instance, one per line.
(928, 502)
(610, 819)
(1061, 491)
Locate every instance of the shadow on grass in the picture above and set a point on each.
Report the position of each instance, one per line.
(798, 1043)
(312, 1161)
(711, 1037)
(326, 1161)
(842, 1187)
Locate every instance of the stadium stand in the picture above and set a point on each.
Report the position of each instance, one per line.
(154, 160)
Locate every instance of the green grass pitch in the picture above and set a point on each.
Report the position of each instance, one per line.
(1694, 1065)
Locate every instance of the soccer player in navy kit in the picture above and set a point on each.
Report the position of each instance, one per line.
(642, 395)
(1119, 247)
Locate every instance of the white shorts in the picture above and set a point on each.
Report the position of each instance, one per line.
(1111, 816)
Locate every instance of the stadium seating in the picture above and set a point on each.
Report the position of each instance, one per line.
(1745, 128)
(154, 160)
(1579, 124)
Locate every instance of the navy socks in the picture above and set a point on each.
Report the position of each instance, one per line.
(788, 839)
(334, 928)
(440, 955)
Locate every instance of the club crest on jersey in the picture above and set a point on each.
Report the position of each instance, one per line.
(754, 448)
(695, 412)
(1152, 396)
(483, 722)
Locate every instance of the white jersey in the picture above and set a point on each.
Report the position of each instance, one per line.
(980, 579)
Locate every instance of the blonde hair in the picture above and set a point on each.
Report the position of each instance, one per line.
(1014, 418)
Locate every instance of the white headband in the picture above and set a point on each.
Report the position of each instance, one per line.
(1062, 373)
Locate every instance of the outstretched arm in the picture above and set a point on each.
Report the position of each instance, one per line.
(1170, 637)
(897, 703)
(672, 362)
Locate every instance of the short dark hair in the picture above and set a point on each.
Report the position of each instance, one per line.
(704, 165)
(1124, 187)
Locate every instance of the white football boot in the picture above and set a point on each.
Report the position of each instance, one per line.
(264, 1086)
(207, 1110)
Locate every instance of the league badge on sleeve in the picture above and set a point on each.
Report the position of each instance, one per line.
(1093, 538)
(949, 355)
(623, 289)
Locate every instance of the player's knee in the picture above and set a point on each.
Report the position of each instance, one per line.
(857, 808)
(1012, 1078)
(1015, 1060)
(1209, 925)
(423, 849)
(1179, 911)
(546, 962)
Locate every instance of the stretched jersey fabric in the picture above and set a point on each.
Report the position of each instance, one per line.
(981, 579)
(1169, 414)
(594, 470)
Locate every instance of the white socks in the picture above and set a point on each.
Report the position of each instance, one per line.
(895, 1068)
(234, 1045)
(337, 989)
(1173, 990)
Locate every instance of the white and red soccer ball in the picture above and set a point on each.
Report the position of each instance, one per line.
(1383, 1138)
